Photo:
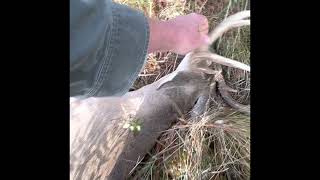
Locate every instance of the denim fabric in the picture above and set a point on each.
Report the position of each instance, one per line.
(108, 47)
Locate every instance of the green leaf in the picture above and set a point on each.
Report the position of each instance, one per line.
(132, 128)
(138, 127)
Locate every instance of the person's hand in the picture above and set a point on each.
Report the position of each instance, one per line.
(180, 35)
(190, 32)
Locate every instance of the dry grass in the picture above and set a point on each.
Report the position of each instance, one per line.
(216, 145)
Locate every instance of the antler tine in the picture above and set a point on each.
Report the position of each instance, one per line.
(222, 60)
(238, 16)
(224, 27)
(232, 21)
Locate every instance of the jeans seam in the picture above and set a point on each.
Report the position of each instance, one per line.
(142, 56)
(101, 75)
(103, 72)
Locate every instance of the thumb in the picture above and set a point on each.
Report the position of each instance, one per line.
(205, 39)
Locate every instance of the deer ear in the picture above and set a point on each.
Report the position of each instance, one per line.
(169, 81)
(166, 80)
(176, 79)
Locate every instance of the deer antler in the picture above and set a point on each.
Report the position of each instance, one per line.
(222, 60)
(203, 53)
(232, 21)
(223, 89)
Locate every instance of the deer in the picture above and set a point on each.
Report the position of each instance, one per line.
(101, 144)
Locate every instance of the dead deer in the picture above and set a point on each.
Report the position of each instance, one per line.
(101, 145)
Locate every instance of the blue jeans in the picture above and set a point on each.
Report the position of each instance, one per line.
(108, 47)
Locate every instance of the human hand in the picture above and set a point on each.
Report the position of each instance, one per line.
(189, 32)
(180, 35)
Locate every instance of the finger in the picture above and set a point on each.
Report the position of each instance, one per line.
(204, 29)
(203, 20)
(203, 25)
(205, 39)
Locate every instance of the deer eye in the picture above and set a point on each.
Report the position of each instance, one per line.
(195, 102)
